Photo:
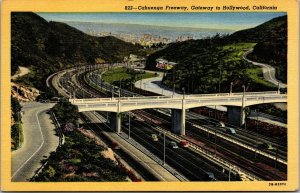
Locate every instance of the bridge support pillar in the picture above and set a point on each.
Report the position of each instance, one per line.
(178, 121)
(236, 116)
(115, 121)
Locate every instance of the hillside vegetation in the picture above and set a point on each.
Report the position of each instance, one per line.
(47, 47)
(203, 64)
(271, 47)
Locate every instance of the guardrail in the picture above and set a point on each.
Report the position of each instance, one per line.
(170, 99)
(58, 129)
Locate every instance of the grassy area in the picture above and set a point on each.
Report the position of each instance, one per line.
(16, 128)
(256, 75)
(16, 136)
(126, 76)
(235, 56)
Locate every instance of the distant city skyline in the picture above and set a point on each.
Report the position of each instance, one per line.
(224, 21)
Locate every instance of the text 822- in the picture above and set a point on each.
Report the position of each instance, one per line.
(128, 7)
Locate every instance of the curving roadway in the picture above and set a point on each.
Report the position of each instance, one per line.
(39, 140)
(268, 71)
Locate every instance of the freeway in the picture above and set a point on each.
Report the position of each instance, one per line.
(252, 137)
(91, 92)
(144, 165)
(39, 140)
(184, 163)
(136, 158)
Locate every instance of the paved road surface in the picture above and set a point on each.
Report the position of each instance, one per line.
(268, 71)
(39, 140)
(154, 85)
(22, 71)
(269, 75)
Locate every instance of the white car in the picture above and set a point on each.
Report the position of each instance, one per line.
(174, 145)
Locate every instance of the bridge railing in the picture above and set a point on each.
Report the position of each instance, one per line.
(232, 94)
(190, 100)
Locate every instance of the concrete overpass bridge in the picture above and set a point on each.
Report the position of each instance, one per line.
(236, 103)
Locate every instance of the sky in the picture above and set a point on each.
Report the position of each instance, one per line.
(230, 21)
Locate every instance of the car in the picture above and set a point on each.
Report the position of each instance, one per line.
(173, 145)
(154, 137)
(265, 145)
(115, 145)
(231, 131)
(220, 124)
(209, 176)
(184, 143)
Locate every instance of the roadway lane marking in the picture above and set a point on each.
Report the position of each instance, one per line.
(36, 114)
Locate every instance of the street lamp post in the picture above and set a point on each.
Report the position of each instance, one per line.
(243, 104)
(101, 81)
(128, 125)
(173, 80)
(183, 90)
(220, 68)
(256, 132)
(164, 148)
(192, 80)
(276, 157)
(229, 173)
(231, 87)
(215, 141)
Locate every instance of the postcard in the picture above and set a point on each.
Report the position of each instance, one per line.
(140, 95)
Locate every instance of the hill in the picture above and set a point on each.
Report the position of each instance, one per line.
(47, 47)
(267, 31)
(204, 66)
(271, 47)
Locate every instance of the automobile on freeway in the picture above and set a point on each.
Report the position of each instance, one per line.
(154, 137)
(184, 143)
(174, 145)
(230, 131)
(209, 176)
(220, 124)
(265, 145)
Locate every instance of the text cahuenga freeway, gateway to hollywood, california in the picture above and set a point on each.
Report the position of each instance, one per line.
(199, 8)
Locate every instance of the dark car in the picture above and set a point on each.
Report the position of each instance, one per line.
(265, 145)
